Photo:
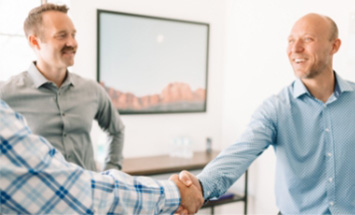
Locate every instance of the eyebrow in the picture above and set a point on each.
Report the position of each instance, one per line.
(64, 31)
(306, 34)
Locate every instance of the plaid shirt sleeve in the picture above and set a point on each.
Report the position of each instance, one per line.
(35, 179)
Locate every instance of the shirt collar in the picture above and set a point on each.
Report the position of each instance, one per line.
(37, 77)
(299, 89)
(39, 80)
(340, 86)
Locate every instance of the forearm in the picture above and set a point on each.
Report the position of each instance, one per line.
(231, 164)
(222, 172)
(109, 121)
(124, 194)
(114, 157)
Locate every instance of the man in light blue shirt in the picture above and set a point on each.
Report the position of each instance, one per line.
(310, 124)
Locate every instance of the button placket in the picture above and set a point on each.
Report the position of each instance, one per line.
(329, 153)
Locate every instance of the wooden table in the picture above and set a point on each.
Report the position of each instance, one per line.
(164, 164)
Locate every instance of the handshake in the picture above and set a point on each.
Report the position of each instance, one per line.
(190, 192)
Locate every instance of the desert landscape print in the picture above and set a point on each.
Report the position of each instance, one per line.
(159, 67)
(175, 97)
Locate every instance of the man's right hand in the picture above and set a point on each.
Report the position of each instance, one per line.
(191, 196)
(189, 179)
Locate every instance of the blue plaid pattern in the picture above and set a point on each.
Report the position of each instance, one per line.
(314, 143)
(35, 179)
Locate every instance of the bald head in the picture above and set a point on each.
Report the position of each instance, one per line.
(322, 24)
(311, 45)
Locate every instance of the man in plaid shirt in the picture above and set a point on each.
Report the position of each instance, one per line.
(36, 179)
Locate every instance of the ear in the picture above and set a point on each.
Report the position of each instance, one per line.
(336, 46)
(33, 41)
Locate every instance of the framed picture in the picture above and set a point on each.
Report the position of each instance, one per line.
(152, 64)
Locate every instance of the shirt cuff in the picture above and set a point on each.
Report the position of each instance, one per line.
(207, 187)
(109, 166)
(172, 197)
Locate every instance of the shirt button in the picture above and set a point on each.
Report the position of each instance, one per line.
(63, 114)
(325, 105)
(327, 130)
(64, 134)
(331, 203)
(330, 179)
(329, 154)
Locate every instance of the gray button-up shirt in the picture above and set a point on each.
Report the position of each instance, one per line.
(64, 115)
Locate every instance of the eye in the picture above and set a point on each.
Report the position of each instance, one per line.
(291, 41)
(308, 39)
(61, 35)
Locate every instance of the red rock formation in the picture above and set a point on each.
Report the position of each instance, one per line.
(150, 100)
(172, 94)
(200, 94)
(177, 92)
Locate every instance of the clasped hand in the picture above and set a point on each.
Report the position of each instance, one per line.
(190, 192)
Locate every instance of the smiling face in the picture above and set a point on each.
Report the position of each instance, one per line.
(56, 46)
(311, 46)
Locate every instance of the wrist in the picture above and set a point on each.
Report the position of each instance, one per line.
(201, 188)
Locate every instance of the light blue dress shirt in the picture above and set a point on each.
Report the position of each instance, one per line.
(314, 143)
(35, 179)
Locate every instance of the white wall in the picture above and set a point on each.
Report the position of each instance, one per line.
(248, 63)
(152, 134)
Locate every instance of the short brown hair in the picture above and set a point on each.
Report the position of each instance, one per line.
(33, 21)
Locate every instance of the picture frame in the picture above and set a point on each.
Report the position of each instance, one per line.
(152, 65)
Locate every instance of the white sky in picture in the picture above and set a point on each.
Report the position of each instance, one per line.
(142, 55)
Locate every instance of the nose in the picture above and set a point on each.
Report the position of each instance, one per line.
(72, 42)
(296, 46)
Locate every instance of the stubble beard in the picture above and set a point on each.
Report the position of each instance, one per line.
(312, 72)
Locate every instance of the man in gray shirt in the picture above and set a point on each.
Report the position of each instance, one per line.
(57, 104)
